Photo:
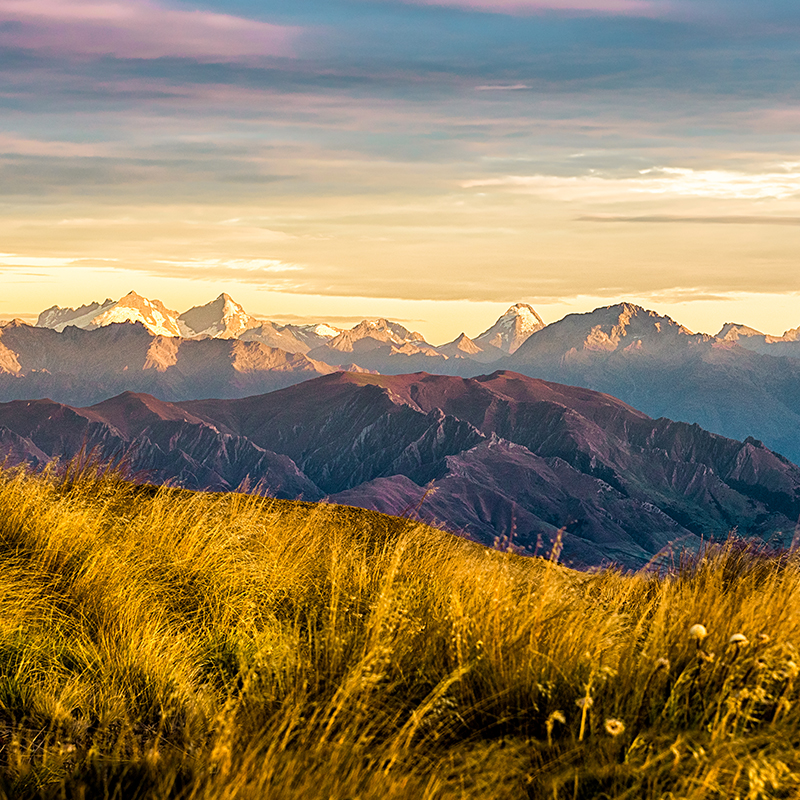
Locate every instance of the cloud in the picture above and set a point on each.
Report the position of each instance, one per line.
(13, 260)
(502, 87)
(137, 29)
(637, 8)
(780, 183)
(732, 219)
(235, 265)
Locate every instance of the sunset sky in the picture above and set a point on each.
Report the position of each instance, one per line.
(432, 162)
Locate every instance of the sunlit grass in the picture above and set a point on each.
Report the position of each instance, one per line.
(161, 643)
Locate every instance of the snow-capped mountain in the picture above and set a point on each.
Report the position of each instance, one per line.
(621, 327)
(734, 331)
(464, 347)
(512, 329)
(153, 314)
(372, 333)
(58, 318)
(222, 318)
(311, 336)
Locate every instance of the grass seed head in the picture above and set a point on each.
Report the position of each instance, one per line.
(698, 632)
(738, 639)
(614, 727)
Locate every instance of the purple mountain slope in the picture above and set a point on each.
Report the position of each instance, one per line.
(673, 479)
(162, 443)
(500, 458)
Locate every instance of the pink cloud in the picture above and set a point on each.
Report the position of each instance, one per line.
(639, 8)
(138, 29)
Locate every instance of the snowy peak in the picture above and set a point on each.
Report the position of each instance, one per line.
(153, 314)
(59, 318)
(222, 318)
(463, 344)
(624, 326)
(733, 331)
(374, 333)
(512, 329)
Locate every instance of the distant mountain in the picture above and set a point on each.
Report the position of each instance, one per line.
(370, 334)
(662, 368)
(733, 332)
(784, 346)
(512, 329)
(464, 347)
(739, 383)
(377, 344)
(273, 335)
(293, 338)
(222, 318)
(501, 458)
(84, 366)
(153, 314)
(390, 348)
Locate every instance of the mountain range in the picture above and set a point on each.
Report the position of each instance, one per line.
(501, 458)
(738, 383)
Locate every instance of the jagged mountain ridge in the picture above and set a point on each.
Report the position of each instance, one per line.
(505, 455)
(81, 367)
(734, 384)
(225, 318)
(153, 314)
(161, 443)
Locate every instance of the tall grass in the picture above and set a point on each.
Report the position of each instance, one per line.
(161, 643)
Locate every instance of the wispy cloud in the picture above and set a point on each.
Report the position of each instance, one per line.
(14, 260)
(137, 29)
(502, 87)
(638, 8)
(732, 219)
(252, 265)
(779, 182)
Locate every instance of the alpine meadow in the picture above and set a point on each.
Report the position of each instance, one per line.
(156, 642)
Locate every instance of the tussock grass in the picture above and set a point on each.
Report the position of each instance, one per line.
(162, 643)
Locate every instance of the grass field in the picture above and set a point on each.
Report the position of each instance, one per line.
(161, 643)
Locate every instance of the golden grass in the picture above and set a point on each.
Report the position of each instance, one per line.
(162, 643)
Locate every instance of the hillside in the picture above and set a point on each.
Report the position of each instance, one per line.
(156, 643)
(498, 458)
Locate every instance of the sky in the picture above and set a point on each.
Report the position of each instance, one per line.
(432, 161)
